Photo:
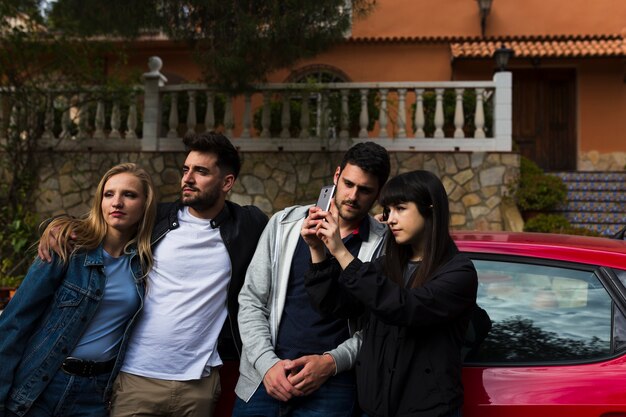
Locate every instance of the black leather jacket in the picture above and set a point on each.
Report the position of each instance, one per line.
(240, 228)
(410, 359)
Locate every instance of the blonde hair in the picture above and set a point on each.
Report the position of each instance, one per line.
(91, 230)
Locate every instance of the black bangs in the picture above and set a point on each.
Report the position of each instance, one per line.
(396, 191)
(420, 187)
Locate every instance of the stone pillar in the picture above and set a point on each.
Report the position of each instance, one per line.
(503, 111)
(363, 116)
(152, 81)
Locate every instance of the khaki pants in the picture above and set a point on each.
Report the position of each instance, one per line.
(138, 396)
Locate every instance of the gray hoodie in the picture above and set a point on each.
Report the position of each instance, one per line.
(262, 297)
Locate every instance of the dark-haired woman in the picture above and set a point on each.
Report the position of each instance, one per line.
(416, 300)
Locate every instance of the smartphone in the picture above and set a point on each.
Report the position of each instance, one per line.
(326, 194)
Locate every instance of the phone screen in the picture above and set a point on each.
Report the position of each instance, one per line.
(326, 195)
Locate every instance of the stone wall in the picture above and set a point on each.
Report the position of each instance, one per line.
(597, 161)
(475, 182)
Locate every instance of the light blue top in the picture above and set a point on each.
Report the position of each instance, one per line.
(101, 339)
(45, 319)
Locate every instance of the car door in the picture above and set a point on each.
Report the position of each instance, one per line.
(555, 345)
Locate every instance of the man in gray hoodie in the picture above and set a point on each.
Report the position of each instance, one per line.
(294, 360)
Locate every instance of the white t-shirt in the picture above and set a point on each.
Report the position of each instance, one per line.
(185, 304)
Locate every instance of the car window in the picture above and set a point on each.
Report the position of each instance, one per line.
(541, 313)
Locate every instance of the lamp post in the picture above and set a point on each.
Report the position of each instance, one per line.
(484, 7)
(502, 55)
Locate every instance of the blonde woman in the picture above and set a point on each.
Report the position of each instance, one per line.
(65, 331)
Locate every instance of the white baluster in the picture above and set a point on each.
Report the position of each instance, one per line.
(23, 127)
(3, 132)
(173, 121)
(265, 116)
(363, 116)
(131, 120)
(285, 116)
(229, 118)
(344, 121)
(324, 115)
(402, 112)
(318, 115)
(116, 121)
(439, 113)
(66, 122)
(305, 117)
(191, 112)
(48, 121)
(14, 119)
(209, 115)
(247, 116)
(479, 117)
(17, 119)
(99, 132)
(419, 113)
(83, 117)
(459, 117)
(31, 115)
(382, 117)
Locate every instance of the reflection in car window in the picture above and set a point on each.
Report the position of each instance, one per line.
(542, 313)
(619, 324)
(621, 274)
(619, 331)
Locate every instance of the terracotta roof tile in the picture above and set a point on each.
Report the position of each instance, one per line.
(552, 46)
(597, 46)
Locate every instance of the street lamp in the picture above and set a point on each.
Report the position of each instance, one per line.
(484, 7)
(502, 55)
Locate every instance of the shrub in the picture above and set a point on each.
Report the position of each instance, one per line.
(555, 223)
(537, 191)
(10, 282)
(547, 223)
(581, 231)
(16, 240)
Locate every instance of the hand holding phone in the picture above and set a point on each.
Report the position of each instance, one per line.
(326, 195)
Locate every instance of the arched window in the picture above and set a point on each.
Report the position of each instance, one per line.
(315, 74)
(318, 73)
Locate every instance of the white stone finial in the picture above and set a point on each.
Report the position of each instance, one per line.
(155, 64)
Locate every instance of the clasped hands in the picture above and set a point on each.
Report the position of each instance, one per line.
(298, 377)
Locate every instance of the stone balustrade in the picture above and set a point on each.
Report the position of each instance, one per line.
(327, 114)
(403, 116)
(291, 138)
(75, 120)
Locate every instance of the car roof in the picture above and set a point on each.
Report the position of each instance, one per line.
(581, 249)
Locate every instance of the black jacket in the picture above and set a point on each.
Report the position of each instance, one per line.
(240, 228)
(410, 360)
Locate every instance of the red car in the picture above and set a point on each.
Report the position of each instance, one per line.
(555, 340)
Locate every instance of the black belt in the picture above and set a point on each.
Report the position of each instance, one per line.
(79, 367)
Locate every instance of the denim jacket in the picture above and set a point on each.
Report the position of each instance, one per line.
(45, 320)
